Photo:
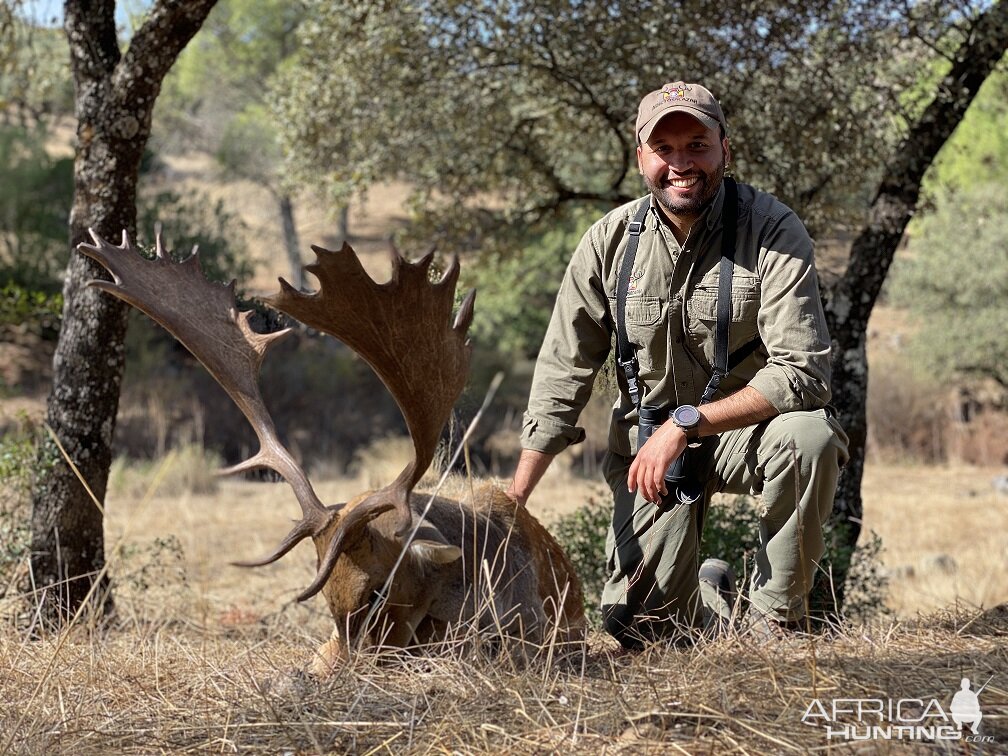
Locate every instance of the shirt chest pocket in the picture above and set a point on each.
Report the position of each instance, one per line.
(647, 329)
(701, 314)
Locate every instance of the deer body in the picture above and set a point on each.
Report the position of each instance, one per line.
(484, 562)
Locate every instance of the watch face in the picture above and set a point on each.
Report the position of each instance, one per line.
(686, 416)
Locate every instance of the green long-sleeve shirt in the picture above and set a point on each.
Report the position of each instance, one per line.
(670, 319)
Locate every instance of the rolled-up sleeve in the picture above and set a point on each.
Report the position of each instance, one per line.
(576, 345)
(791, 321)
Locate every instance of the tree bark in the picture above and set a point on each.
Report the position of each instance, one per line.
(291, 242)
(849, 302)
(114, 97)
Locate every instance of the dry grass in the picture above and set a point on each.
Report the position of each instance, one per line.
(944, 531)
(170, 684)
(203, 657)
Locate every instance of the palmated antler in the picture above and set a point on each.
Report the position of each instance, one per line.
(204, 317)
(403, 329)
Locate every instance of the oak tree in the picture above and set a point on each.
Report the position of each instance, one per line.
(115, 88)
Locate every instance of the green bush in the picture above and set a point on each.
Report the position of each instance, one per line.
(194, 219)
(731, 532)
(955, 282)
(582, 534)
(518, 285)
(25, 309)
(17, 459)
(35, 199)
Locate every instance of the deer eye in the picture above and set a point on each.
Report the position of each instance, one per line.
(377, 597)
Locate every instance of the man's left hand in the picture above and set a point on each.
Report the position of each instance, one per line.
(647, 472)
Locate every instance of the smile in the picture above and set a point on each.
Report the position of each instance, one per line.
(684, 183)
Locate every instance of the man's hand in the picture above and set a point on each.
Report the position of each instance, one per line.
(647, 472)
(531, 467)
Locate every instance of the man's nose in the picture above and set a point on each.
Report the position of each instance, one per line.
(678, 161)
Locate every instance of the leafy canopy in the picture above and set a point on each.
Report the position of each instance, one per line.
(955, 278)
(499, 113)
(214, 96)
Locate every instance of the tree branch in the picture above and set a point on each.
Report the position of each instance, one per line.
(90, 30)
(169, 26)
(896, 200)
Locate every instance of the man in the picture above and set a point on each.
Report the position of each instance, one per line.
(768, 428)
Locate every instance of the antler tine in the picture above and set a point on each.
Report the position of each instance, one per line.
(204, 317)
(348, 524)
(403, 329)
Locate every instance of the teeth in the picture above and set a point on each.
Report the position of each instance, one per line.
(683, 183)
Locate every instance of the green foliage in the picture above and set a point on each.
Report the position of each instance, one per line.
(23, 309)
(977, 152)
(17, 461)
(582, 534)
(215, 92)
(35, 82)
(35, 198)
(499, 113)
(516, 291)
(955, 282)
(731, 532)
(194, 219)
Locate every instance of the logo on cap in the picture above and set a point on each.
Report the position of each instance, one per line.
(674, 92)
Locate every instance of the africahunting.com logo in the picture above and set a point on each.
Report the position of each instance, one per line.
(902, 718)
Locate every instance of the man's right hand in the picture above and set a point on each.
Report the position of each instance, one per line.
(531, 467)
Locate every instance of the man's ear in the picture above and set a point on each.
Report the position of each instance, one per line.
(640, 166)
(431, 546)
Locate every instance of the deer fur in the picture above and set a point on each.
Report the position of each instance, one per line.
(483, 563)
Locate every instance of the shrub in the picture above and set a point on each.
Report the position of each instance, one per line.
(26, 310)
(187, 469)
(731, 532)
(17, 459)
(582, 534)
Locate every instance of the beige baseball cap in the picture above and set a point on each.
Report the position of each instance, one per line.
(678, 97)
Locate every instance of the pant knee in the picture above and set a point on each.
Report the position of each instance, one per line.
(815, 438)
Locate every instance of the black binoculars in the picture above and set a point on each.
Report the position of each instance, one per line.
(686, 477)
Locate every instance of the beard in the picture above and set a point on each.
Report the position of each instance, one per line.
(692, 205)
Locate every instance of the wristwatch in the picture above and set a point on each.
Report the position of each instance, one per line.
(687, 417)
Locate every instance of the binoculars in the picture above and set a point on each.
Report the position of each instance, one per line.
(686, 477)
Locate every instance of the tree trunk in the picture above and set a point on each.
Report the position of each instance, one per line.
(114, 97)
(291, 242)
(343, 224)
(850, 300)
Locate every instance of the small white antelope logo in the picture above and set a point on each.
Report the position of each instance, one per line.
(483, 562)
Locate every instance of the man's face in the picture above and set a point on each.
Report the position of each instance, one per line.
(683, 163)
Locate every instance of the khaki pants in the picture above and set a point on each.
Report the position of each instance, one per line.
(653, 551)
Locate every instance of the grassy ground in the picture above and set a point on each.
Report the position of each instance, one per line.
(203, 657)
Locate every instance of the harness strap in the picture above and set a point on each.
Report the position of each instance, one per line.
(729, 222)
(626, 355)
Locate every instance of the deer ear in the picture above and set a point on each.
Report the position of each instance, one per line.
(431, 546)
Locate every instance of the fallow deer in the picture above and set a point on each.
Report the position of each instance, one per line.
(484, 562)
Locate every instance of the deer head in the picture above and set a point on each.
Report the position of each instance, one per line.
(402, 328)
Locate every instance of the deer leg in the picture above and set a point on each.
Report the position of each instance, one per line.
(330, 655)
(404, 623)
